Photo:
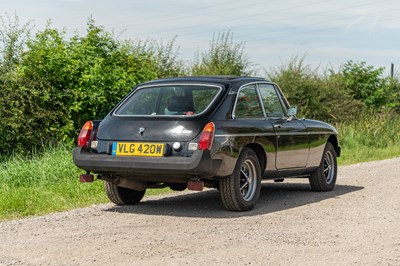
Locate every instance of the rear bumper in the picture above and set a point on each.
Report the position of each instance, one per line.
(199, 164)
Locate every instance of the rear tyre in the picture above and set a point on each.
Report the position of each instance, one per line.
(121, 195)
(177, 187)
(324, 178)
(241, 190)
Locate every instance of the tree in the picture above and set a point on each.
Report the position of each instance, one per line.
(12, 39)
(224, 57)
(167, 62)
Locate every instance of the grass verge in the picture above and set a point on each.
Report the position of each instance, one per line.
(369, 138)
(45, 183)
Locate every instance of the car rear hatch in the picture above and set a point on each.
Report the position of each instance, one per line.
(149, 129)
(160, 114)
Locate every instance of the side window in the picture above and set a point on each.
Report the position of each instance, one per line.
(248, 104)
(272, 105)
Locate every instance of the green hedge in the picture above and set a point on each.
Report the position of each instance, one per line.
(337, 96)
(50, 84)
(58, 83)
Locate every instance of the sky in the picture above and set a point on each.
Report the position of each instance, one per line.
(327, 33)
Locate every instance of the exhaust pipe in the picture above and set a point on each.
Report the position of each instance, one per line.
(196, 185)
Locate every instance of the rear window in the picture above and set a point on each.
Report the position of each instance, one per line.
(169, 100)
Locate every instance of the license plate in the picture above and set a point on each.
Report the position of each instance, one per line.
(137, 149)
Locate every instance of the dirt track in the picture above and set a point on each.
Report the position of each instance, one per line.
(356, 224)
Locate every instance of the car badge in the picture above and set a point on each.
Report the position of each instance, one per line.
(141, 130)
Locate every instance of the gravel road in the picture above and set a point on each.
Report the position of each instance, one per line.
(356, 224)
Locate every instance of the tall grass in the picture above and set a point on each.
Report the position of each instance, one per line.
(43, 183)
(371, 137)
(48, 182)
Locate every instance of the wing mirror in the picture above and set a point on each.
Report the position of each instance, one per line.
(292, 111)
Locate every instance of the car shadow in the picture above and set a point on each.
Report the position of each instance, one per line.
(274, 197)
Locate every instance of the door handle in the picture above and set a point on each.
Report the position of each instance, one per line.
(278, 126)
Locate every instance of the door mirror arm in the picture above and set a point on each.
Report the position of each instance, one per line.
(292, 111)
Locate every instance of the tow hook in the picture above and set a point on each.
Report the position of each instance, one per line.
(86, 178)
(196, 185)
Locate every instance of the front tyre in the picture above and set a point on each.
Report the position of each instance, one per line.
(324, 178)
(241, 190)
(121, 195)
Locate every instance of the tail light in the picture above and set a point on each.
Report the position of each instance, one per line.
(207, 137)
(84, 135)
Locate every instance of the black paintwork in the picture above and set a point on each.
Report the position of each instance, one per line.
(285, 147)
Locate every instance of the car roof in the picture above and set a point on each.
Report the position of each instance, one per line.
(233, 81)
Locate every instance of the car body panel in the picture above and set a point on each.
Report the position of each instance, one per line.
(292, 143)
(164, 130)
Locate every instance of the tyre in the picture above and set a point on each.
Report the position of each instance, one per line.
(241, 190)
(177, 187)
(324, 178)
(122, 196)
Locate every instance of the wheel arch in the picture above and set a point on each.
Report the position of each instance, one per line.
(334, 141)
(259, 151)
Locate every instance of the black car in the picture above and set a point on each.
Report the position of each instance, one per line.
(220, 132)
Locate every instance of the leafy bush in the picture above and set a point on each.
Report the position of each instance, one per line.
(317, 96)
(57, 83)
(85, 76)
(365, 83)
(392, 92)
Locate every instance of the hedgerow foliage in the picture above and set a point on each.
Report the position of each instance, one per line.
(337, 96)
(50, 88)
(50, 84)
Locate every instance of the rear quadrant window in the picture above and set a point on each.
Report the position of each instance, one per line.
(248, 104)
